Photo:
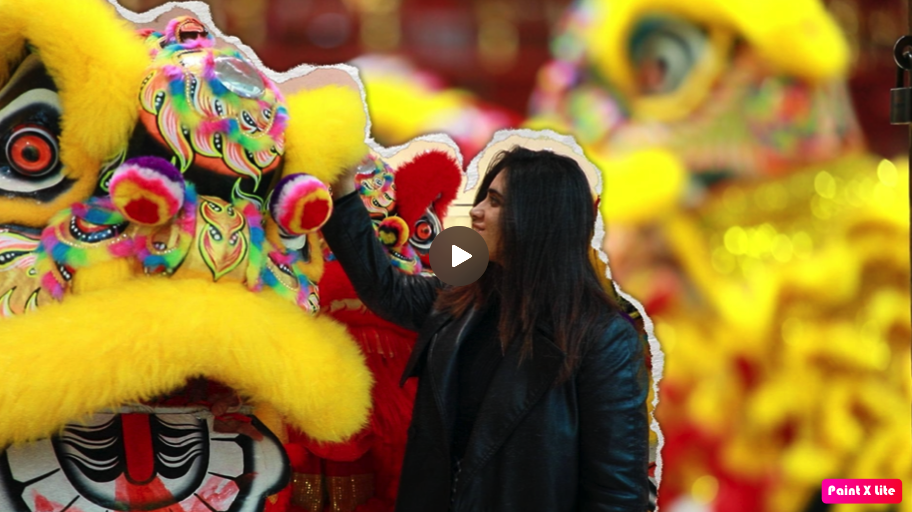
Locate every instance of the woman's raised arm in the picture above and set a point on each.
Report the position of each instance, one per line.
(402, 299)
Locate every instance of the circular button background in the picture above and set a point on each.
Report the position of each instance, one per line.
(441, 256)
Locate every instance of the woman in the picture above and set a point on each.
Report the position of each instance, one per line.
(532, 385)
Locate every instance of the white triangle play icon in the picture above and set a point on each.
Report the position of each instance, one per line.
(459, 256)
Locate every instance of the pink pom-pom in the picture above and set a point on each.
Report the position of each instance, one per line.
(393, 232)
(300, 204)
(147, 190)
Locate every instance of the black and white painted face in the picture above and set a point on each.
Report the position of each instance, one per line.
(137, 461)
(30, 171)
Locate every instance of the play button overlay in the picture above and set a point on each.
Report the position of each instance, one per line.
(459, 256)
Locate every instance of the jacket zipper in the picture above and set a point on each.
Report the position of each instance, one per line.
(455, 481)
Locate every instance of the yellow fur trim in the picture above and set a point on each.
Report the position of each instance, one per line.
(326, 131)
(657, 176)
(103, 275)
(325, 136)
(106, 348)
(97, 63)
(12, 44)
(400, 107)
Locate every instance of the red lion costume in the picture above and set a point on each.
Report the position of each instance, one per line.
(407, 205)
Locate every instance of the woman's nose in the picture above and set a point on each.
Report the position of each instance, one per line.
(475, 214)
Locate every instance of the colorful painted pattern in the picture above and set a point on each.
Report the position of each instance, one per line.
(19, 286)
(17, 250)
(210, 233)
(378, 192)
(222, 236)
(213, 108)
(162, 249)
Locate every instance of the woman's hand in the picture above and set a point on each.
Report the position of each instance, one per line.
(345, 184)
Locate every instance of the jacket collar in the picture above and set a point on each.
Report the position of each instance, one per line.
(442, 362)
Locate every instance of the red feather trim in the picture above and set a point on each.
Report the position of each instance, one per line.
(429, 178)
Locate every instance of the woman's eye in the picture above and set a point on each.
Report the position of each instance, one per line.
(32, 151)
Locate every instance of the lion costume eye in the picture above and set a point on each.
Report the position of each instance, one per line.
(664, 52)
(426, 229)
(32, 151)
(29, 131)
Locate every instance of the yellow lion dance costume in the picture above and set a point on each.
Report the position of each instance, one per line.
(160, 201)
(764, 243)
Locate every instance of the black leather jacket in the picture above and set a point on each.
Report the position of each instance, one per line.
(578, 446)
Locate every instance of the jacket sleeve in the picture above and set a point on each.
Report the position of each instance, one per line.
(612, 386)
(405, 300)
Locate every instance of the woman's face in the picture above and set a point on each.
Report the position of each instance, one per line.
(486, 216)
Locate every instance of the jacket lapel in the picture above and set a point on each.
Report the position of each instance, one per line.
(514, 390)
(419, 352)
(442, 367)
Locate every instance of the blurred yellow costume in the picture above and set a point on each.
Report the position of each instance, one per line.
(768, 248)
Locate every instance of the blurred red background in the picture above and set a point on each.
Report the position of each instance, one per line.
(494, 47)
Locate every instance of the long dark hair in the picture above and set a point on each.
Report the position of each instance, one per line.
(545, 279)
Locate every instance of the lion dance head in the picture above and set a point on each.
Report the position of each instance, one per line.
(160, 207)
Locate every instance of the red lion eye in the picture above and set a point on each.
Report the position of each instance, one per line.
(423, 230)
(32, 151)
